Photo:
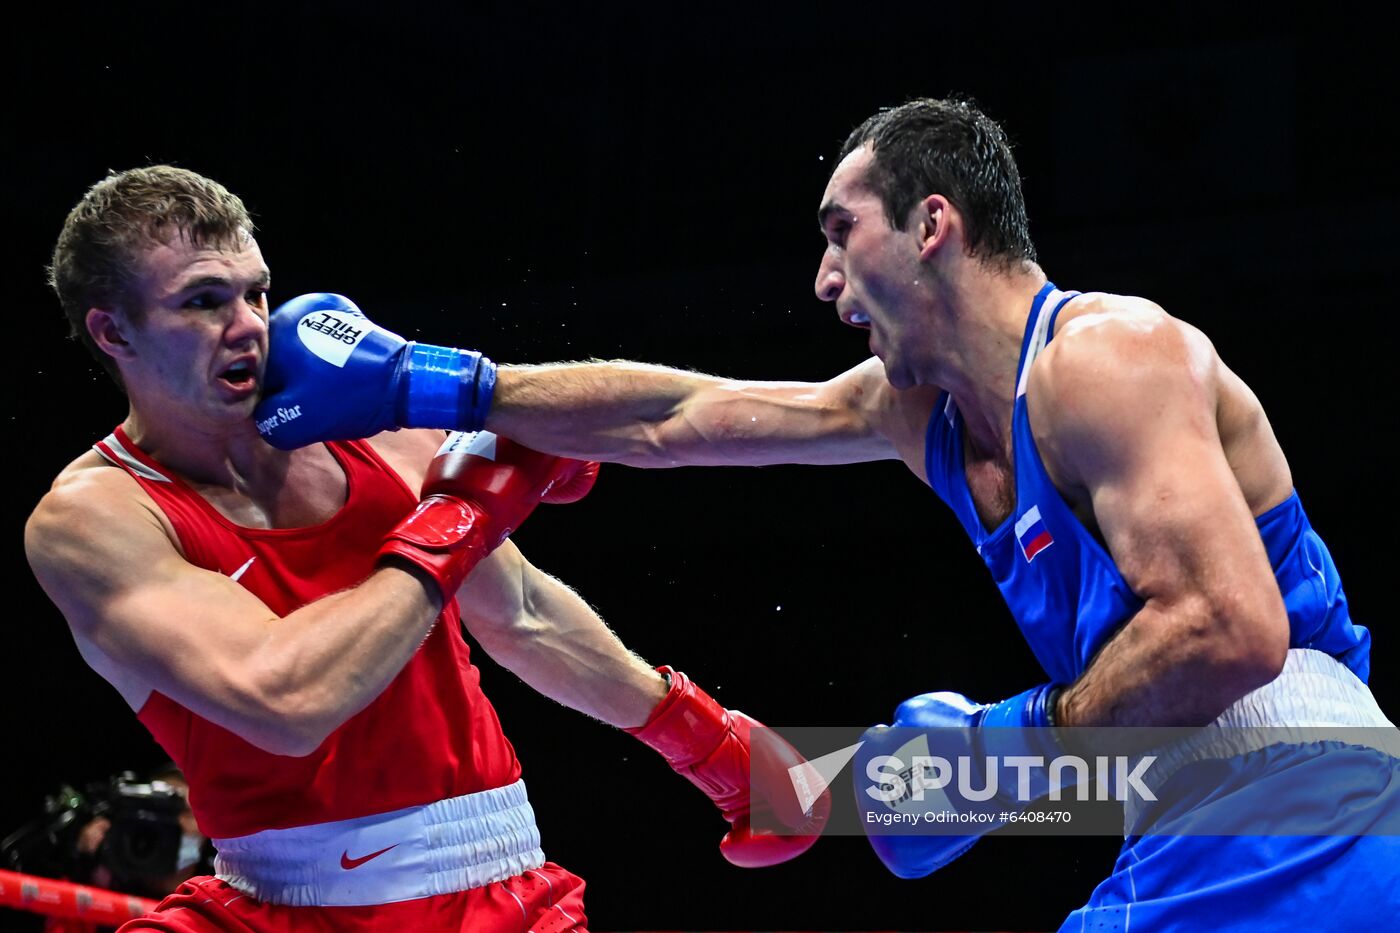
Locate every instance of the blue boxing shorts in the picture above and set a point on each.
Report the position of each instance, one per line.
(1190, 862)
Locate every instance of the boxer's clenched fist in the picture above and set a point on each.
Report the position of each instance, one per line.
(717, 750)
(478, 489)
(903, 815)
(333, 374)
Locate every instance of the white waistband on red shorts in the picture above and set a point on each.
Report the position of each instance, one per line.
(438, 848)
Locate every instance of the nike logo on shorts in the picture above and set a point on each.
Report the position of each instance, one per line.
(348, 863)
(242, 570)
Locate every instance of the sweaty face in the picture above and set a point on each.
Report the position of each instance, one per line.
(200, 345)
(871, 271)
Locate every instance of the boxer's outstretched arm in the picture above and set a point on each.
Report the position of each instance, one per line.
(624, 412)
(1127, 407)
(205, 641)
(538, 628)
(542, 631)
(651, 416)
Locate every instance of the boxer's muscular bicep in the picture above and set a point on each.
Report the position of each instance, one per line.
(1129, 415)
(192, 634)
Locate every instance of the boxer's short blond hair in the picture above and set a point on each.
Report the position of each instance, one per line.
(97, 260)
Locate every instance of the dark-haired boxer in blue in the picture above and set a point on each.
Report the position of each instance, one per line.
(1122, 484)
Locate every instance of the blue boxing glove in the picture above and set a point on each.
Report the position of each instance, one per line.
(333, 374)
(928, 786)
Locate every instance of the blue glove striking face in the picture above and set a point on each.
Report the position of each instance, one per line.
(909, 818)
(333, 374)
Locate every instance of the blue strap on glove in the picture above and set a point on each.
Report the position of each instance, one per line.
(910, 782)
(333, 374)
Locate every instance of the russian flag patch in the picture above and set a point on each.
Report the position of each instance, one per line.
(1032, 534)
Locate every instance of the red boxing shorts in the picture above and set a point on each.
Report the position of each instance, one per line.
(548, 899)
(466, 863)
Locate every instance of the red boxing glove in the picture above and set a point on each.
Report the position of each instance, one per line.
(711, 747)
(576, 487)
(478, 489)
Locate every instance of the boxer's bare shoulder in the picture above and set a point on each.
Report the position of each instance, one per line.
(1118, 359)
(89, 493)
(96, 524)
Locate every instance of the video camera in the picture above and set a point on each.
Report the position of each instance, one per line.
(141, 849)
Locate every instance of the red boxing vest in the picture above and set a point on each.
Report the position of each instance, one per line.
(430, 735)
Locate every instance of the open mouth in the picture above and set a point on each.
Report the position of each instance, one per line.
(239, 376)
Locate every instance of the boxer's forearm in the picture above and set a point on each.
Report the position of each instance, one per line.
(651, 416)
(1166, 667)
(540, 630)
(325, 662)
(616, 411)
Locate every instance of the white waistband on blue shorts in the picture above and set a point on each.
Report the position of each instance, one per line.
(438, 848)
(1314, 698)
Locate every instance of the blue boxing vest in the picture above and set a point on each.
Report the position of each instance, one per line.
(1063, 587)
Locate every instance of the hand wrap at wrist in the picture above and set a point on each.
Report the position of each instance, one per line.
(443, 387)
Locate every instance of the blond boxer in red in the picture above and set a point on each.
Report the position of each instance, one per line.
(286, 623)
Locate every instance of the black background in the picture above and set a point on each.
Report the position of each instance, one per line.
(642, 182)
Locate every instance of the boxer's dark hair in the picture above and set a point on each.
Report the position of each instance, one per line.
(97, 260)
(949, 147)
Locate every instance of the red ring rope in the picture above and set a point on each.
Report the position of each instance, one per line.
(65, 899)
